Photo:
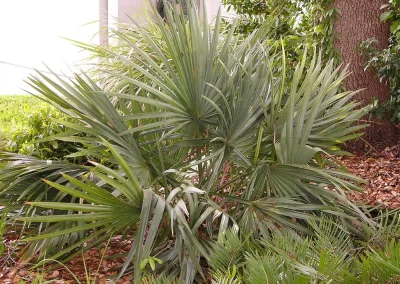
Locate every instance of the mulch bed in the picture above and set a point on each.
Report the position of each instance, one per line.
(97, 263)
(381, 170)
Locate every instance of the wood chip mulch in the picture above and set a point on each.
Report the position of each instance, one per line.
(381, 171)
(97, 264)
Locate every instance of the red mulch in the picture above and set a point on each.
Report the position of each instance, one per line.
(13, 272)
(381, 170)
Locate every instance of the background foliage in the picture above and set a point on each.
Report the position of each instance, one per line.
(386, 62)
(299, 22)
(26, 120)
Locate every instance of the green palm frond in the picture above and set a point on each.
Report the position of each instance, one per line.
(96, 115)
(228, 252)
(275, 195)
(96, 210)
(385, 228)
(314, 118)
(21, 179)
(220, 279)
(269, 268)
(380, 265)
(291, 258)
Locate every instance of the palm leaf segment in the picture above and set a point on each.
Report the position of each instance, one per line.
(184, 101)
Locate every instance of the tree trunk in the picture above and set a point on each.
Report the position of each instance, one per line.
(358, 21)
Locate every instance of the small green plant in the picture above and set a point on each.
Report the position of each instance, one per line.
(150, 261)
(380, 265)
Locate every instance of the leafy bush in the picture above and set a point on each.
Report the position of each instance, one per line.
(40, 125)
(386, 62)
(297, 26)
(253, 13)
(14, 109)
(387, 65)
(26, 121)
(203, 134)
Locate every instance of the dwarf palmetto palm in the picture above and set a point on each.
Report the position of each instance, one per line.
(329, 256)
(200, 134)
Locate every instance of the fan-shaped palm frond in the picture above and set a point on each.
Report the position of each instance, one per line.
(380, 265)
(21, 179)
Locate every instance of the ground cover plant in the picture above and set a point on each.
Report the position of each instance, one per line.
(329, 257)
(204, 143)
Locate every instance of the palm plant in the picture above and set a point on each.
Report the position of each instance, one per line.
(199, 132)
(380, 265)
(330, 256)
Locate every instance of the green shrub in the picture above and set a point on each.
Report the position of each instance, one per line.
(387, 65)
(40, 125)
(26, 122)
(14, 109)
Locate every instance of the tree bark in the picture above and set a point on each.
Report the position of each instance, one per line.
(358, 21)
